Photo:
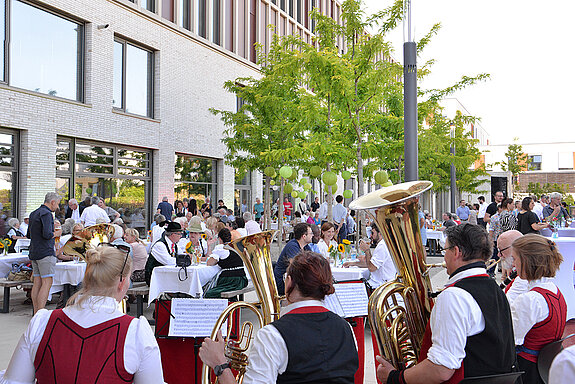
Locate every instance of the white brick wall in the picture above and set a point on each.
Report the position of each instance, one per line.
(188, 81)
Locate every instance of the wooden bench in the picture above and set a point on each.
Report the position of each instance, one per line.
(239, 292)
(139, 290)
(7, 284)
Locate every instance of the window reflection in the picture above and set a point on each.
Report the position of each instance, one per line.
(195, 178)
(45, 52)
(118, 77)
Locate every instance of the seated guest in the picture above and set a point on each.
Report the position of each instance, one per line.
(140, 255)
(447, 221)
(14, 233)
(303, 235)
(326, 240)
(73, 210)
(539, 315)
(517, 286)
(232, 276)
(470, 331)
(158, 228)
(92, 214)
(308, 344)
(241, 226)
(196, 230)
(251, 225)
(121, 348)
(380, 263)
(164, 251)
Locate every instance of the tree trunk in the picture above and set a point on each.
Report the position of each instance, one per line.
(267, 214)
(329, 200)
(281, 214)
(360, 191)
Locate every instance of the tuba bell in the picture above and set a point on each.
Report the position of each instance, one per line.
(255, 253)
(399, 310)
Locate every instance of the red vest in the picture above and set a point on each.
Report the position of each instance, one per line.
(69, 353)
(548, 330)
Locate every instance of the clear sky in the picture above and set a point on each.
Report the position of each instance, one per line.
(526, 47)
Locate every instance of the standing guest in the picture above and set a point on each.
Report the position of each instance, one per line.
(258, 209)
(492, 208)
(507, 219)
(243, 206)
(473, 211)
(207, 206)
(113, 215)
(233, 277)
(288, 207)
(165, 208)
(555, 210)
(481, 212)
(24, 224)
(323, 208)
(251, 225)
(380, 263)
(527, 220)
(91, 214)
(315, 204)
(539, 315)
(158, 228)
(221, 205)
(538, 207)
(164, 251)
(326, 240)
(470, 329)
(339, 218)
(462, 211)
(288, 350)
(494, 232)
(180, 209)
(302, 206)
(120, 348)
(139, 254)
(73, 210)
(85, 204)
(303, 235)
(41, 252)
(193, 207)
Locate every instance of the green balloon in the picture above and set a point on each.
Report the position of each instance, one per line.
(293, 175)
(272, 182)
(288, 188)
(285, 172)
(294, 194)
(329, 178)
(387, 184)
(381, 177)
(315, 171)
(270, 171)
(302, 195)
(348, 193)
(303, 181)
(333, 189)
(346, 175)
(307, 186)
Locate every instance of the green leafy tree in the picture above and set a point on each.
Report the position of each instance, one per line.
(517, 162)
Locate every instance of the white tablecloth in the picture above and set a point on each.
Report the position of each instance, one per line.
(21, 243)
(564, 276)
(7, 261)
(165, 279)
(562, 232)
(67, 272)
(353, 273)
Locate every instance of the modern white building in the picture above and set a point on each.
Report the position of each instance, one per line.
(112, 97)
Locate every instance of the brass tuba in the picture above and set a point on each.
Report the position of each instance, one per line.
(399, 310)
(255, 253)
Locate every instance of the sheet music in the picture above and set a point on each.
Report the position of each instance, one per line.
(196, 317)
(349, 300)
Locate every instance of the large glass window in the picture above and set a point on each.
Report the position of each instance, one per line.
(2, 37)
(242, 192)
(133, 78)
(8, 172)
(195, 178)
(44, 51)
(120, 175)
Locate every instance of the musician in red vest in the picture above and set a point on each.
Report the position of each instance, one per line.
(539, 315)
(308, 344)
(90, 340)
(470, 332)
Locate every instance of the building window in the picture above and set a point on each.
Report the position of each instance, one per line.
(535, 162)
(242, 192)
(216, 10)
(168, 10)
(118, 174)
(195, 178)
(148, 4)
(9, 144)
(133, 78)
(44, 51)
(185, 13)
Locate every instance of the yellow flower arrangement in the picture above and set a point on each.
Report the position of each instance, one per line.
(5, 244)
(341, 248)
(330, 248)
(189, 247)
(204, 236)
(346, 241)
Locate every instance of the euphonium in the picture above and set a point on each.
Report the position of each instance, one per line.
(399, 310)
(255, 253)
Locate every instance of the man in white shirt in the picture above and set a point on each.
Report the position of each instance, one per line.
(251, 225)
(92, 213)
(339, 218)
(323, 209)
(73, 210)
(518, 285)
(482, 209)
(471, 332)
(164, 250)
(538, 207)
(379, 263)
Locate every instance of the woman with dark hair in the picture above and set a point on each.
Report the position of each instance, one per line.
(193, 206)
(326, 240)
(507, 219)
(232, 277)
(180, 210)
(527, 220)
(307, 344)
(539, 315)
(104, 345)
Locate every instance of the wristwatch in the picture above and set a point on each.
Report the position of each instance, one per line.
(219, 369)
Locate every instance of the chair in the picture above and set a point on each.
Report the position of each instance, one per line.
(505, 378)
(546, 356)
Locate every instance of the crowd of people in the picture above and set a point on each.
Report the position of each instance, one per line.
(475, 329)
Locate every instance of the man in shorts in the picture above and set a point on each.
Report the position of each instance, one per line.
(42, 252)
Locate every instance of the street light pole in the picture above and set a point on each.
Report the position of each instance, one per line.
(410, 97)
(453, 188)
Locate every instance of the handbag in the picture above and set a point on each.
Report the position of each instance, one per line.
(183, 260)
(138, 276)
(20, 272)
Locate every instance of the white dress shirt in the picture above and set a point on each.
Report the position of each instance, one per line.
(482, 210)
(518, 287)
(563, 367)
(157, 232)
(454, 317)
(252, 227)
(538, 209)
(23, 228)
(76, 214)
(242, 231)
(324, 247)
(339, 213)
(530, 308)
(161, 254)
(141, 352)
(323, 211)
(92, 213)
(386, 271)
